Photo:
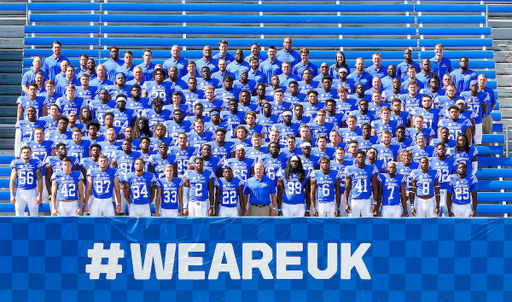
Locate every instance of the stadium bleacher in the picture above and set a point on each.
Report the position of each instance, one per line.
(359, 30)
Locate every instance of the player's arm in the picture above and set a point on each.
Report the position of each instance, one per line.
(312, 197)
(113, 164)
(88, 191)
(175, 168)
(337, 186)
(12, 184)
(437, 193)
(484, 107)
(186, 190)
(44, 111)
(117, 186)
(469, 133)
(53, 207)
(80, 197)
(180, 198)
(375, 186)
(19, 113)
(84, 172)
(274, 204)
(348, 188)
(412, 194)
(217, 198)
(158, 200)
(152, 190)
(39, 179)
(218, 172)
(378, 198)
(48, 174)
(474, 195)
(307, 196)
(280, 189)
(211, 196)
(241, 198)
(403, 197)
(126, 192)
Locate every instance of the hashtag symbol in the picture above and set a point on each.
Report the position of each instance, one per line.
(111, 268)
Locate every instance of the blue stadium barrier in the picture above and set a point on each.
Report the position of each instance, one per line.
(490, 150)
(95, 29)
(456, 42)
(491, 173)
(495, 161)
(457, 54)
(64, 6)
(493, 138)
(495, 197)
(500, 9)
(5, 171)
(497, 127)
(453, 31)
(227, 30)
(452, 19)
(450, 8)
(13, 7)
(402, 43)
(304, 8)
(61, 18)
(494, 209)
(6, 159)
(69, 53)
(252, 19)
(494, 185)
(496, 116)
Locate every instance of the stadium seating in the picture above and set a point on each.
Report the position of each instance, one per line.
(93, 27)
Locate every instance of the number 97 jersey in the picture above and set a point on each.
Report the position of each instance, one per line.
(229, 191)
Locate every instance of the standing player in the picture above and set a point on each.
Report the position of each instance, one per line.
(105, 182)
(293, 189)
(446, 166)
(27, 171)
(229, 194)
(139, 190)
(424, 184)
(198, 191)
(68, 189)
(171, 194)
(392, 194)
(364, 178)
(243, 167)
(182, 153)
(325, 185)
(462, 189)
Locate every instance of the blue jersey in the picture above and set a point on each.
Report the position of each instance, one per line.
(462, 79)
(325, 129)
(266, 122)
(418, 153)
(273, 165)
(27, 178)
(229, 191)
(387, 154)
(365, 78)
(379, 127)
(56, 163)
(311, 163)
(109, 150)
(294, 190)
(445, 167)
(197, 140)
(169, 196)
(425, 181)
(369, 117)
(162, 91)
(380, 72)
(88, 94)
(79, 151)
(391, 188)
(475, 104)
(364, 144)
(67, 185)
(198, 184)
(284, 131)
(305, 87)
(40, 151)
(88, 163)
(461, 189)
(138, 106)
(411, 132)
(430, 118)
(329, 152)
(361, 180)
(238, 68)
(325, 185)
(222, 152)
(159, 163)
(251, 152)
(66, 107)
(56, 137)
(102, 182)
(411, 102)
(402, 69)
(183, 158)
(400, 119)
(241, 169)
(455, 128)
(98, 109)
(155, 118)
(27, 128)
(25, 102)
(463, 156)
(126, 162)
(51, 65)
(406, 170)
(347, 135)
(123, 118)
(140, 187)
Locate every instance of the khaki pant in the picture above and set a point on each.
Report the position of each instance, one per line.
(487, 124)
(259, 211)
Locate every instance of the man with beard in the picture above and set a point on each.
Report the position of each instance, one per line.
(286, 127)
(424, 186)
(462, 189)
(463, 76)
(404, 66)
(309, 161)
(140, 189)
(158, 88)
(243, 167)
(425, 74)
(207, 79)
(360, 76)
(254, 73)
(363, 115)
(27, 180)
(293, 189)
(157, 114)
(273, 161)
(103, 183)
(392, 195)
(446, 166)
(387, 81)
(325, 187)
(220, 147)
(361, 181)
(238, 66)
(175, 79)
(229, 194)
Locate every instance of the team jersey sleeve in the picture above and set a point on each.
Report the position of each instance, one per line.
(450, 185)
(474, 184)
(13, 164)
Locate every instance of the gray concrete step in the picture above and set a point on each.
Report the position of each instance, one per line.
(12, 67)
(11, 55)
(11, 43)
(11, 79)
(12, 32)
(11, 89)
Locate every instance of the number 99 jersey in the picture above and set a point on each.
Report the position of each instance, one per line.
(361, 180)
(461, 188)
(293, 191)
(229, 191)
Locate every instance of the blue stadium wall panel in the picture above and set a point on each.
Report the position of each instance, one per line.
(250, 259)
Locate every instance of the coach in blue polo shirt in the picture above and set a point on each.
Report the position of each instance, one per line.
(259, 194)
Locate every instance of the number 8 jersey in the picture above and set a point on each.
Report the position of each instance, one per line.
(425, 181)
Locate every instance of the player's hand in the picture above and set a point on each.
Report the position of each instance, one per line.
(210, 212)
(55, 212)
(79, 212)
(404, 213)
(374, 208)
(246, 212)
(86, 208)
(157, 214)
(413, 212)
(436, 211)
(473, 214)
(307, 214)
(450, 214)
(280, 213)
(377, 214)
(118, 209)
(347, 208)
(184, 213)
(39, 200)
(315, 212)
(50, 197)
(336, 213)
(273, 212)
(13, 200)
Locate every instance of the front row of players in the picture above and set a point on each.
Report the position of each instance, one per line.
(200, 194)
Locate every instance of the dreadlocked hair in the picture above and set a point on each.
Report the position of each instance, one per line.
(301, 174)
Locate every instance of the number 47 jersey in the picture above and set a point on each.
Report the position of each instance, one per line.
(361, 180)
(102, 182)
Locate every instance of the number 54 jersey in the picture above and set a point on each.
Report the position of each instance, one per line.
(361, 180)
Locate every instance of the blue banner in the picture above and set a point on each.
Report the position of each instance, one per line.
(255, 259)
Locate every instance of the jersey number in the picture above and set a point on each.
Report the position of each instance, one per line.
(139, 191)
(26, 178)
(229, 197)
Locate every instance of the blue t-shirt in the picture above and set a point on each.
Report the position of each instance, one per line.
(169, 197)
(140, 187)
(361, 180)
(461, 188)
(67, 185)
(391, 188)
(259, 191)
(229, 191)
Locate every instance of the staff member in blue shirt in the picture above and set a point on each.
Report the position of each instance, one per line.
(260, 194)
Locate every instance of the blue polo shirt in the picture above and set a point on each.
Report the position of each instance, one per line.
(259, 191)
